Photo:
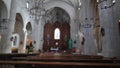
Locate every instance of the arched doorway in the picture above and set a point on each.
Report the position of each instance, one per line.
(56, 19)
(3, 26)
(29, 33)
(18, 29)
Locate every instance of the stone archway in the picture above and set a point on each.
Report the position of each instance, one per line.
(58, 3)
(29, 33)
(63, 5)
(18, 29)
(3, 26)
(68, 8)
(57, 18)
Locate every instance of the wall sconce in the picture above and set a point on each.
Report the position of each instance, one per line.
(100, 1)
(106, 6)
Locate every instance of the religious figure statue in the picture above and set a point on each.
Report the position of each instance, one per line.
(70, 44)
(82, 41)
(31, 47)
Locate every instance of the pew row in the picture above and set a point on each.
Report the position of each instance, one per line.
(36, 64)
(48, 60)
(9, 56)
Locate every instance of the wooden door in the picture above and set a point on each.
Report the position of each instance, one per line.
(50, 42)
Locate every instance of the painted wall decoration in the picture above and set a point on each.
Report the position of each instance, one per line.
(15, 40)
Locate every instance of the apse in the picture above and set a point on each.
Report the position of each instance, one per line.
(56, 30)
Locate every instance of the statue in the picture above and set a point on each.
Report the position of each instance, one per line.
(82, 41)
(31, 47)
(70, 44)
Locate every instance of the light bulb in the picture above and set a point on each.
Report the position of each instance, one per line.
(97, 0)
(114, 1)
(27, 4)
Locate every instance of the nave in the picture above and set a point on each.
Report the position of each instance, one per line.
(59, 33)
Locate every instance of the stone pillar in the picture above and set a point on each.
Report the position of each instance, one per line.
(41, 33)
(36, 34)
(108, 20)
(24, 42)
(10, 27)
(87, 21)
(72, 29)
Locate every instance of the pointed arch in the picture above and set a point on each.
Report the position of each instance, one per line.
(18, 28)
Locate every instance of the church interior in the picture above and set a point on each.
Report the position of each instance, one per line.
(44, 33)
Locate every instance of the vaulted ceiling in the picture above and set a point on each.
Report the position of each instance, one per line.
(73, 3)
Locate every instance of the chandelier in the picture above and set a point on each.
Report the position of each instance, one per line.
(36, 8)
(105, 3)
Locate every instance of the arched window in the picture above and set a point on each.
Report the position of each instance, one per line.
(57, 34)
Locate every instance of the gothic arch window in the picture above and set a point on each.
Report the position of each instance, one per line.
(57, 34)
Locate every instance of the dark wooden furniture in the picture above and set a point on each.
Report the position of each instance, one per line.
(58, 60)
(9, 56)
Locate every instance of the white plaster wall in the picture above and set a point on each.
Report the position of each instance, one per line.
(109, 20)
(5, 47)
(87, 17)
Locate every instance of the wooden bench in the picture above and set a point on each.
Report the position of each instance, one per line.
(9, 56)
(61, 61)
(41, 64)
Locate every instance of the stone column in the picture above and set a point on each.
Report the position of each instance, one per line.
(108, 20)
(87, 21)
(24, 42)
(10, 26)
(41, 33)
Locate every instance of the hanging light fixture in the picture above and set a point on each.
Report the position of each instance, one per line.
(79, 4)
(106, 6)
(36, 8)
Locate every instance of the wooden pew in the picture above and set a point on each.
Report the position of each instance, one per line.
(9, 56)
(62, 61)
(41, 64)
